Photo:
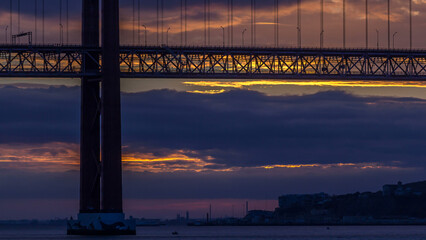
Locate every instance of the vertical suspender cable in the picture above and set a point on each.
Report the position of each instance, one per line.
(42, 21)
(158, 22)
(181, 22)
(366, 24)
(11, 20)
(411, 35)
(344, 23)
(162, 21)
(229, 22)
(322, 23)
(68, 19)
(19, 19)
(411, 24)
(277, 24)
(208, 21)
(389, 24)
(299, 23)
(19, 16)
(139, 22)
(205, 22)
(186, 23)
(232, 23)
(35, 21)
(60, 22)
(252, 23)
(133, 22)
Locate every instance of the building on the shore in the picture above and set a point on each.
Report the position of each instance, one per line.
(396, 204)
(259, 217)
(302, 200)
(404, 190)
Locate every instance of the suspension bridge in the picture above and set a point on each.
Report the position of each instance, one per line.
(101, 65)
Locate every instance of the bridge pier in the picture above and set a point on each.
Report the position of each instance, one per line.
(90, 115)
(111, 109)
(101, 211)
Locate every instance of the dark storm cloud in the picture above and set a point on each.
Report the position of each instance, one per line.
(39, 115)
(243, 128)
(237, 128)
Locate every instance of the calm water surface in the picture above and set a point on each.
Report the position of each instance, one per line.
(235, 233)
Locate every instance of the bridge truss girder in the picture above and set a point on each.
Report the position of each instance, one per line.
(272, 64)
(66, 62)
(163, 62)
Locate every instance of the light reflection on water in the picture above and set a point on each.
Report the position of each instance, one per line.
(236, 233)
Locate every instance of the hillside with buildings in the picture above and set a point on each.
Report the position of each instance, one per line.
(395, 204)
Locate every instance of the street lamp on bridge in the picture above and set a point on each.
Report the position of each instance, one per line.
(242, 36)
(143, 25)
(377, 31)
(61, 34)
(223, 36)
(167, 36)
(393, 39)
(5, 34)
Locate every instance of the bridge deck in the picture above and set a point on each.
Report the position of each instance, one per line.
(217, 63)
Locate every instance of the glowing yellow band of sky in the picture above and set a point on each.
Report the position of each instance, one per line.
(242, 84)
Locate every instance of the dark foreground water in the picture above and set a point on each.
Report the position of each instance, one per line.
(235, 233)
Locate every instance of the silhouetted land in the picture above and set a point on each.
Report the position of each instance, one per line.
(397, 204)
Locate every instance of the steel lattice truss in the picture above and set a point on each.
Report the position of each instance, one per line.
(178, 62)
(273, 63)
(46, 61)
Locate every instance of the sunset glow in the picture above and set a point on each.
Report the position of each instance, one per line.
(268, 83)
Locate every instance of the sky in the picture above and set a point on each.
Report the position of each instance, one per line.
(191, 143)
(355, 22)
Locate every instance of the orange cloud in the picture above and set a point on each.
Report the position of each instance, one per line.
(178, 161)
(59, 157)
(55, 156)
(327, 166)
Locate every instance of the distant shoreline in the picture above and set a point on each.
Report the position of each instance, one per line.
(307, 225)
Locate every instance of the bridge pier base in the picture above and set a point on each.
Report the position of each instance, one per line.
(101, 224)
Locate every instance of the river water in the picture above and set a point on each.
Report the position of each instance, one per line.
(235, 233)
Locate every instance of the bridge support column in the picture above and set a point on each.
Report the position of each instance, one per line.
(90, 115)
(111, 110)
(101, 209)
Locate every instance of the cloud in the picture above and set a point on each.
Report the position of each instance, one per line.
(229, 130)
(244, 128)
(39, 115)
(234, 145)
